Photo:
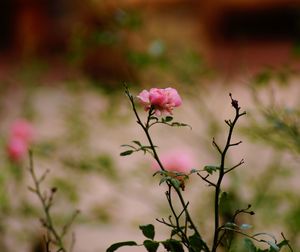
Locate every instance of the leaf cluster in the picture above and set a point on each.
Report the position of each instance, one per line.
(136, 148)
(151, 245)
(168, 120)
(176, 179)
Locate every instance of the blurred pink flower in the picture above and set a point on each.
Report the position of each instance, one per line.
(20, 136)
(177, 161)
(22, 129)
(17, 149)
(163, 100)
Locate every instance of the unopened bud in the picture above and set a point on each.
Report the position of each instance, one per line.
(234, 103)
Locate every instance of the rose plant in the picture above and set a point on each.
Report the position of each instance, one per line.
(184, 232)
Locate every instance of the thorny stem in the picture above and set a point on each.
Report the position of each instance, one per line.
(146, 130)
(183, 235)
(222, 172)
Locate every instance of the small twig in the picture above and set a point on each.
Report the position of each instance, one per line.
(239, 211)
(217, 146)
(177, 217)
(183, 210)
(165, 223)
(253, 237)
(69, 223)
(233, 167)
(242, 233)
(228, 122)
(234, 144)
(43, 176)
(244, 113)
(206, 180)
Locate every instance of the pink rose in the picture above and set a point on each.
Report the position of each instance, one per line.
(17, 149)
(177, 161)
(162, 100)
(23, 130)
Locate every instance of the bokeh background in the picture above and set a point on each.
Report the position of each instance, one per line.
(63, 65)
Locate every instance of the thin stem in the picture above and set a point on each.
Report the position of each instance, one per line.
(217, 146)
(244, 234)
(288, 244)
(249, 236)
(235, 166)
(206, 180)
(46, 203)
(69, 223)
(222, 172)
(184, 238)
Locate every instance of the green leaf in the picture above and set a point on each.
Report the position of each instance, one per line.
(151, 246)
(175, 182)
(174, 231)
(230, 225)
(211, 168)
(148, 231)
(160, 173)
(173, 245)
(249, 245)
(283, 243)
(128, 145)
(164, 179)
(273, 246)
(168, 118)
(178, 124)
(115, 246)
(137, 142)
(196, 242)
(126, 153)
(223, 198)
(153, 118)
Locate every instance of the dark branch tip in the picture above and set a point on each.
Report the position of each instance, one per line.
(234, 102)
